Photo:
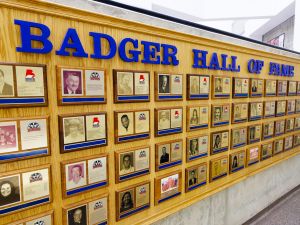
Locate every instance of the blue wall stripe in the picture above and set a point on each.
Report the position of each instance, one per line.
(255, 118)
(239, 145)
(220, 176)
(240, 95)
(199, 96)
(167, 198)
(169, 131)
(21, 100)
(86, 188)
(135, 97)
(221, 150)
(196, 186)
(170, 164)
(24, 154)
(253, 163)
(69, 100)
(103, 223)
(200, 126)
(237, 169)
(85, 144)
(256, 95)
(253, 141)
(222, 95)
(221, 123)
(124, 177)
(198, 156)
(135, 211)
(239, 121)
(170, 97)
(138, 136)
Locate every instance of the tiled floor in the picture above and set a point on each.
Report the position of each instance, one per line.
(285, 212)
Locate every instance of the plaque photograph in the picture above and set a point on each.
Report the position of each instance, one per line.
(269, 109)
(268, 130)
(196, 176)
(168, 87)
(198, 86)
(291, 106)
(240, 87)
(131, 86)
(292, 88)
(266, 150)
(237, 161)
(133, 163)
(278, 146)
(253, 155)
(238, 137)
(220, 115)
(254, 133)
(168, 121)
(280, 108)
(219, 141)
(239, 112)
(197, 147)
(270, 88)
(218, 168)
(77, 215)
(10, 187)
(168, 154)
(282, 86)
(221, 87)
(279, 127)
(256, 111)
(198, 117)
(257, 87)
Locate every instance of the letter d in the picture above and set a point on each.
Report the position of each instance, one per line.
(27, 37)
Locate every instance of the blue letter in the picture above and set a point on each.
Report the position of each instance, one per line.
(233, 64)
(291, 71)
(97, 46)
(122, 50)
(224, 62)
(198, 58)
(274, 69)
(252, 66)
(27, 37)
(74, 43)
(214, 62)
(167, 54)
(260, 65)
(150, 49)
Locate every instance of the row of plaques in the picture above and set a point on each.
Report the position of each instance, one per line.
(26, 85)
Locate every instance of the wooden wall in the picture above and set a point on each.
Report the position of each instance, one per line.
(59, 19)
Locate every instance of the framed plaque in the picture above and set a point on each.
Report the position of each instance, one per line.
(168, 154)
(253, 155)
(133, 199)
(168, 87)
(84, 175)
(24, 190)
(269, 109)
(280, 108)
(218, 168)
(168, 121)
(195, 176)
(291, 106)
(23, 85)
(254, 133)
(132, 125)
(282, 86)
(239, 112)
(255, 110)
(167, 186)
(197, 117)
(237, 161)
(198, 86)
(292, 88)
(270, 88)
(279, 127)
(268, 130)
(91, 211)
(40, 219)
(82, 131)
(297, 107)
(197, 147)
(77, 85)
(266, 150)
(238, 137)
(24, 138)
(278, 146)
(221, 87)
(131, 86)
(132, 163)
(298, 88)
(240, 87)
(220, 115)
(288, 142)
(297, 123)
(296, 139)
(257, 87)
(289, 125)
(219, 141)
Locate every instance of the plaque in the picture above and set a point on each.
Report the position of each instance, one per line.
(219, 141)
(240, 87)
(270, 88)
(254, 133)
(297, 107)
(220, 115)
(168, 154)
(279, 127)
(282, 86)
(131, 86)
(257, 87)
(218, 168)
(289, 125)
(132, 125)
(238, 137)
(82, 131)
(239, 112)
(221, 87)
(266, 150)
(168, 121)
(256, 111)
(40, 219)
(80, 85)
(168, 87)
(23, 85)
(237, 161)
(292, 88)
(280, 108)
(196, 176)
(269, 110)
(198, 117)
(291, 106)
(297, 123)
(296, 140)
(253, 155)
(198, 86)
(132, 163)
(278, 146)
(288, 142)
(298, 88)
(197, 147)
(268, 130)
(167, 187)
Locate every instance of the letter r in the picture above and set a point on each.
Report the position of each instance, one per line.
(27, 37)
